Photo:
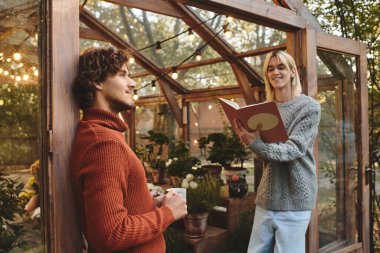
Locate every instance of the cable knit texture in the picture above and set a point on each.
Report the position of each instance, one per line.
(117, 210)
(289, 180)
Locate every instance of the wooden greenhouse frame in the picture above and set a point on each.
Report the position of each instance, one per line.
(60, 50)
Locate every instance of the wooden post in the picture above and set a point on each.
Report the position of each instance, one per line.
(62, 115)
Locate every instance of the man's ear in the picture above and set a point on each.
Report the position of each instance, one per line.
(98, 86)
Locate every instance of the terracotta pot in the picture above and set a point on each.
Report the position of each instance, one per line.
(158, 176)
(195, 225)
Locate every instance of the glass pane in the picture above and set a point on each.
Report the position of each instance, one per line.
(209, 76)
(245, 36)
(20, 120)
(142, 29)
(337, 161)
(155, 117)
(144, 86)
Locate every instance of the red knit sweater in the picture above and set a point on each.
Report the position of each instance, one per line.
(117, 210)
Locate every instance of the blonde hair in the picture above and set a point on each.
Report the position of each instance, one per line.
(288, 61)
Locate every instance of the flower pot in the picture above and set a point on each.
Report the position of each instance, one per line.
(237, 188)
(212, 169)
(195, 225)
(158, 176)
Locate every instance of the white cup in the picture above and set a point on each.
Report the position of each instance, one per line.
(181, 191)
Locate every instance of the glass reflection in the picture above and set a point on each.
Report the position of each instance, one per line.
(337, 161)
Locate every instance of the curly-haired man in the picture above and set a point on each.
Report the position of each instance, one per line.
(118, 213)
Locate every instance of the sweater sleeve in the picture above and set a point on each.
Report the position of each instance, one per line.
(110, 227)
(301, 137)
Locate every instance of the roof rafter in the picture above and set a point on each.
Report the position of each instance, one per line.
(256, 11)
(160, 7)
(216, 60)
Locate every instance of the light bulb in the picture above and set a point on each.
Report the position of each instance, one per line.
(8, 59)
(17, 56)
(175, 74)
(158, 47)
(18, 78)
(153, 85)
(228, 34)
(25, 77)
(191, 35)
(131, 59)
(6, 72)
(35, 72)
(209, 107)
(1, 70)
(135, 96)
(198, 56)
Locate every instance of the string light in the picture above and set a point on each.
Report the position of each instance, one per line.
(198, 55)
(174, 74)
(209, 107)
(158, 47)
(131, 59)
(25, 77)
(6, 72)
(135, 96)
(1, 70)
(18, 78)
(191, 35)
(17, 56)
(153, 85)
(35, 72)
(227, 31)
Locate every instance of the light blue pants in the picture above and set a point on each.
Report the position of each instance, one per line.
(278, 231)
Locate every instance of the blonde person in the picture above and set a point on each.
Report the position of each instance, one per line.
(288, 188)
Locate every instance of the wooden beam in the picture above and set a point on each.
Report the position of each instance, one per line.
(256, 11)
(161, 7)
(337, 44)
(244, 85)
(220, 46)
(363, 148)
(309, 60)
(61, 28)
(216, 60)
(118, 42)
(90, 34)
(172, 102)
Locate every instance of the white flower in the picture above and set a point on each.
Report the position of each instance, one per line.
(189, 177)
(185, 184)
(194, 168)
(155, 189)
(193, 185)
(175, 158)
(168, 162)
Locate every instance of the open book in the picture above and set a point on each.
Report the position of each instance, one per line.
(250, 116)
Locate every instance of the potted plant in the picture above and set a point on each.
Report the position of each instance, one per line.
(180, 162)
(155, 162)
(203, 193)
(225, 149)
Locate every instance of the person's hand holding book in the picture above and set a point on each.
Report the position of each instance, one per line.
(245, 136)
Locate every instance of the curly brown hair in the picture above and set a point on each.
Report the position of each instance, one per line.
(95, 65)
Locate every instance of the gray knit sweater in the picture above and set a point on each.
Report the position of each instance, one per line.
(289, 180)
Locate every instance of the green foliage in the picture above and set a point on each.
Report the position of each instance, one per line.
(19, 124)
(10, 205)
(204, 196)
(180, 168)
(224, 148)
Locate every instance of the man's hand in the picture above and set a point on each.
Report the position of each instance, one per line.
(245, 136)
(158, 200)
(176, 203)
